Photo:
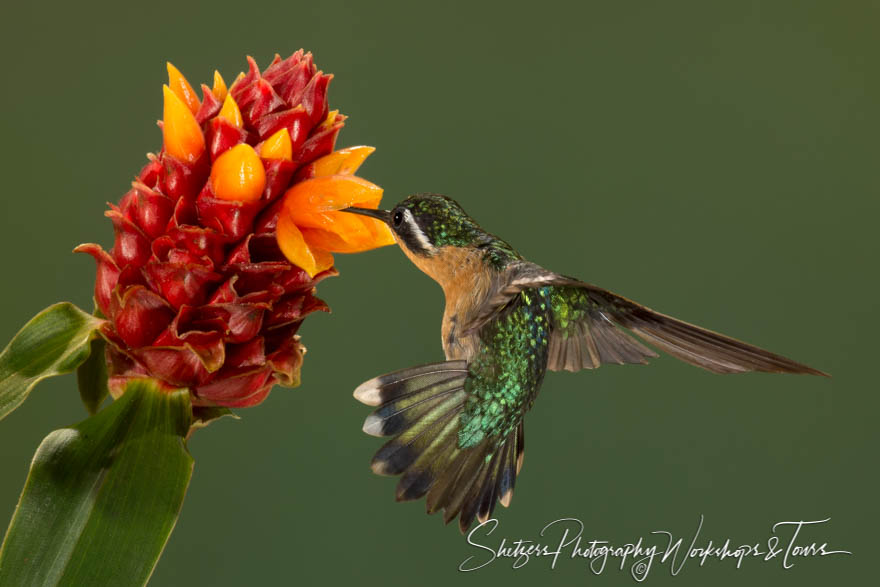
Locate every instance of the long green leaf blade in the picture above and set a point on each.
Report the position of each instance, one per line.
(102, 497)
(54, 342)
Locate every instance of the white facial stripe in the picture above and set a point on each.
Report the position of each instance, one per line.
(416, 231)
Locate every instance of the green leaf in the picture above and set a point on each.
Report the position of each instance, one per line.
(92, 377)
(54, 342)
(102, 497)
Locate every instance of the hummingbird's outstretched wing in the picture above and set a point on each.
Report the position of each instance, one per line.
(588, 322)
(420, 408)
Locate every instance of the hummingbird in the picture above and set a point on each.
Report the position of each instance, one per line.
(456, 426)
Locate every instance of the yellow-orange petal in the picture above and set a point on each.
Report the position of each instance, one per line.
(377, 232)
(373, 204)
(278, 146)
(342, 162)
(331, 118)
(349, 227)
(319, 238)
(181, 87)
(382, 235)
(181, 133)
(230, 112)
(219, 88)
(326, 240)
(238, 175)
(323, 259)
(293, 245)
(333, 192)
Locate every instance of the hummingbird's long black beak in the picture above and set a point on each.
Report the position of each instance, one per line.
(383, 215)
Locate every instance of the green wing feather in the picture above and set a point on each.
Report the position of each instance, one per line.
(587, 323)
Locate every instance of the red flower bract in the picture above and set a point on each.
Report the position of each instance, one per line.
(196, 290)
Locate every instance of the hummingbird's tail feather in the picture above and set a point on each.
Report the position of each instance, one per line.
(481, 477)
(384, 388)
(420, 408)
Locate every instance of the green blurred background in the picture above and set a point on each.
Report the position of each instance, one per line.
(716, 161)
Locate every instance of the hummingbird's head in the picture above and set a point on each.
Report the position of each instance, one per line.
(425, 223)
(442, 240)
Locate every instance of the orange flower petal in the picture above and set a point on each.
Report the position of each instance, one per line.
(331, 241)
(219, 88)
(238, 175)
(377, 233)
(230, 112)
(181, 133)
(334, 192)
(372, 204)
(293, 245)
(181, 87)
(382, 235)
(342, 232)
(350, 227)
(341, 162)
(278, 146)
(323, 259)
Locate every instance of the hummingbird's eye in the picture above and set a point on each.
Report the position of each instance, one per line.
(397, 219)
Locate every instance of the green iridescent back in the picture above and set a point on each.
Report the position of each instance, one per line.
(506, 373)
